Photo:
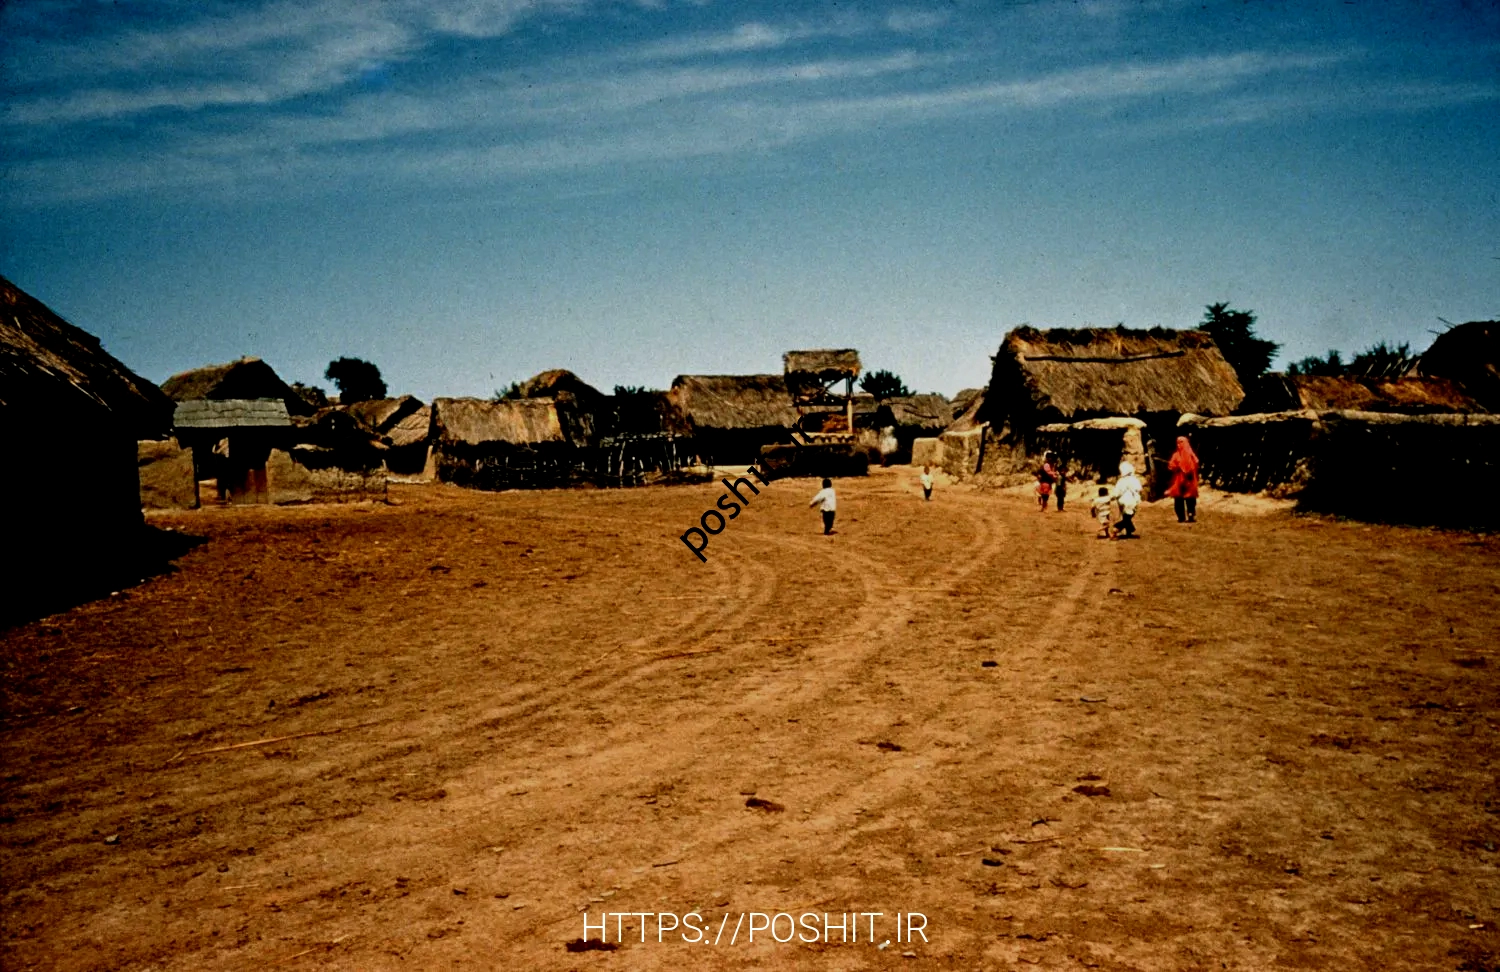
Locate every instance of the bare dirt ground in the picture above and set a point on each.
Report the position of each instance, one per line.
(1258, 742)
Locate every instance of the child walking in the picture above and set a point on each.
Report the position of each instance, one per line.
(1127, 492)
(1044, 479)
(828, 501)
(927, 483)
(1101, 511)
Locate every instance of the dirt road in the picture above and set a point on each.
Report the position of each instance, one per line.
(1253, 742)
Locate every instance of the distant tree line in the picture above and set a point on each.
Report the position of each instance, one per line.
(1377, 361)
(1250, 356)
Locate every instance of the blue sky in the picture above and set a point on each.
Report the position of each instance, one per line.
(469, 191)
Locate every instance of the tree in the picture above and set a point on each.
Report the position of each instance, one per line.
(882, 384)
(358, 380)
(1234, 332)
(1329, 366)
(1382, 361)
(510, 393)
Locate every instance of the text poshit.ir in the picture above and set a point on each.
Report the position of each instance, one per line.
(704, 530)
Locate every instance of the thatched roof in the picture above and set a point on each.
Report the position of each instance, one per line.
(412, 429)
(47, 363)
(1065, 374)
(514, 421)
(825, 363)
(962, 399)
(232, 413)
(809, 374)
(970, 418)
(247, 378)
(1470, 355)
(338, 429)
(1278, 393)
(559, 381)
(732, 401)
(921, 411)
(382, 414)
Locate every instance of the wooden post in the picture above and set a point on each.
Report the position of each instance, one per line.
(849, 403)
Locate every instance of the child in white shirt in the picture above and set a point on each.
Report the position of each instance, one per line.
(1127, 492)
(927, 482)
(829, 503)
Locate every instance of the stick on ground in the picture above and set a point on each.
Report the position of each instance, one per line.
(273, 739)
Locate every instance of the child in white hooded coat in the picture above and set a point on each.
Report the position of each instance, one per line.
(1127, 493)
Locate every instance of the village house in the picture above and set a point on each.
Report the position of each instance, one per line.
(730, 417)
(74, 414)
(1094, 395)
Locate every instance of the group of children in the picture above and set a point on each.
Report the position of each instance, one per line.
(1127, 492)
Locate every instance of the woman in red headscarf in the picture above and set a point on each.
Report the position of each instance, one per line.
(1184, 488)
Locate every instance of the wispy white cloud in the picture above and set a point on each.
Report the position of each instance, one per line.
(242, 54)
(744, 38)
(238, 98)
(916, 20)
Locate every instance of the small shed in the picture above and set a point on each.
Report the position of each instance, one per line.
(232, 440)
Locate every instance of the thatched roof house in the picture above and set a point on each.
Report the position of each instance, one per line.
(705, 402)
(1468, 354)
(72, 414)
(511, 443)
(1066, 374)
(730, 417)
(247, 378)
(1411, 396)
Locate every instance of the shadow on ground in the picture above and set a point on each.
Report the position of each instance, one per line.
(57, 579)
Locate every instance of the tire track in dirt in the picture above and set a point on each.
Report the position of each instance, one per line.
(835, 795)
(883, 605)
(877, 614)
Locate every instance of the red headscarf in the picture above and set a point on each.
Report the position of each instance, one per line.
(1184, 467)
(1184, 459)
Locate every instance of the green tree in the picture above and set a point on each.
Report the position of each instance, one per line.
(514, 391)
(1329, 366)
(1234, 332)
(358, 380)
(883, 384)
(1382, 361)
